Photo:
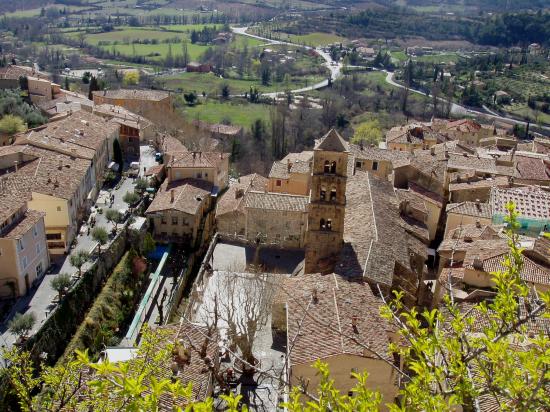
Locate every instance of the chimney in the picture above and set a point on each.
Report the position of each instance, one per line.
(60, 165)
(478, 224)
(16, 165)
(194, 155)
(478, 264)
(171, 195)
(314, 295)
(361, 144)
(288, 165)
(432, 151)
(354, 322)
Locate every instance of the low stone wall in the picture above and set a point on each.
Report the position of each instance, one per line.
(60, 326)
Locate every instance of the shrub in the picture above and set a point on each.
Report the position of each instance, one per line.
(22, 324)
(60, 283)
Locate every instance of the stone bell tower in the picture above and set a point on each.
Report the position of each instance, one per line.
(327, 204)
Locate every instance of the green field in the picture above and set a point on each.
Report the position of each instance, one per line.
(399, 55)
(129, 34)
(315, 39)
(439, 58)
(190, 27)
(211, 84)
(239, 114)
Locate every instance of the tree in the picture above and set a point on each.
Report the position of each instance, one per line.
(92, 87)
(185, 53)
(24, 83)
(22, 324)
(190, 98)
(11, 125)
(258, 130)
(79, 259)
(100, 235)
(148, 245)
(368, 133)
(265, 75)
(86, 77)
(450, 358)
(225, 92)
(117, 154)
(68, 86)
(141, 184)
(131, 198)
(113, 216)
(131, 78)
(60, 283)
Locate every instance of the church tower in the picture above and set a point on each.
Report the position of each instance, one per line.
(327, 204)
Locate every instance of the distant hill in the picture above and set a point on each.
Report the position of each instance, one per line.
(484, 5)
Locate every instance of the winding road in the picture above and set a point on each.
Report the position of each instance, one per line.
(334, 67)
(336, 72)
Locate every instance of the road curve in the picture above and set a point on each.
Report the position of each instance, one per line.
(462, 110)
(335, 69)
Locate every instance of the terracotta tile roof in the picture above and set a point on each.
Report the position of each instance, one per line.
(498, 181)
(305, 156)
(154, 170)
(464, 125)
(52, 173)
(426, 195)
(332, 142)
(474, 232)
(223, 129)
(189, 194)
(414, 200)
(492, 261)
(429, 164)
(196, 371)
(233, 199)
(280, 170)
(171, 145)
(477, 163)
(374, 233)
(276, 201)
(530, 202)
(29, 220)
(80, 133)
(322, 327)
(463, 244)
(14, 72)
(541, 145)
(532, 168)
(476, 209)
(402, 134)
(375, 153)
(14, 192)
(137, 94)
(197, 159)
(122, 115)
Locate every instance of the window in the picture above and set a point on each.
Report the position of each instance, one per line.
(38, 248)
(163, 219)
(329, 224)
(53, 236)
(24, 262)
(333, 195)
(333, 167)
(323, 193)
(374, 165)
(21, 245)
(322, 224)
(34, 231)
(358, 165)
(174, 220)
(39, 270)
(59, 208)
(199, 175)
(205, 174)
(278, 183)
(327, 166)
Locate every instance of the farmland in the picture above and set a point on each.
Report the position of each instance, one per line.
(238, 114)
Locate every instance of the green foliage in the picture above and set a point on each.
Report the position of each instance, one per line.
(60, 283)
(21, 324)
(11, 125)
(368, 133)
(93, 87)
(190, 98)
(78, 260)
(141, 184)
(113, 216)
(131, 78)
(100, 235)
(12, 103)
(131, 198)
(148, 245)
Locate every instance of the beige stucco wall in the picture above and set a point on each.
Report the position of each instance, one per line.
(470, 195)
(219, 178)
(297, 184)
(231, 223)
(138, 106)
(381, 375)
(482, 279)
(12, 259)
(384, 167)
(60, 218)
(40, 87)
(434, 212)
(454, 220)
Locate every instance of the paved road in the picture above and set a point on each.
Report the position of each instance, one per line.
(335, 68)
(39, 301)
(462, 110)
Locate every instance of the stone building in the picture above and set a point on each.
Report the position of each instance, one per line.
(292, 174)
(276, 218)
(327, 203)
(180, 211)
(375, 160)
(211, 167)
(148, 103)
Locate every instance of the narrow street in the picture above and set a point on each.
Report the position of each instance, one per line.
(39, 300)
